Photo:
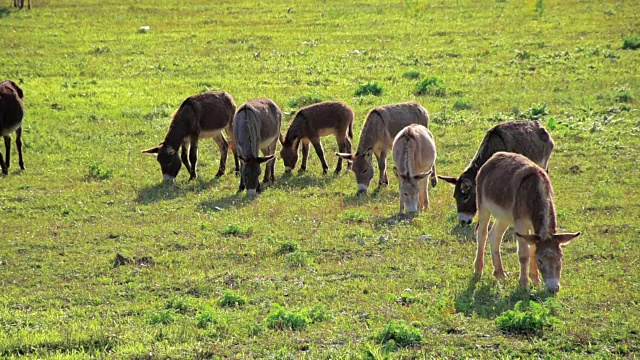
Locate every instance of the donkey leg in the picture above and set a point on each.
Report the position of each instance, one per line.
(193, 158)
(7, 148)
(317, 145)
(224, 150)
(305, 156)
(342, 147)
(3, 166)
(523, 254)
(19, 146)
(481, 239)
(382, 167)
(495, 239)
(184, 155)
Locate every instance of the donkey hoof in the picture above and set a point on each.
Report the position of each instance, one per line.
(500, 275)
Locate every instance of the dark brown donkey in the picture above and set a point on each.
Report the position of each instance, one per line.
(528, 138)
(311, 123)
(256, 127)
(20, 4)
(381, 127)
(199, 116)
(517, 192)
(11, 114)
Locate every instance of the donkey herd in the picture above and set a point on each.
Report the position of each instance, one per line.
(507, 177)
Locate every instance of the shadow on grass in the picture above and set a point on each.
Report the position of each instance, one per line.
(237, 200)
(393, 220)
(464, 231)
(159, 192)
(4, 12)
(376, 195)
(301, 181)
(486, 300)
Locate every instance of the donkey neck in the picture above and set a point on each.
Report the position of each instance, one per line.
(177, 133)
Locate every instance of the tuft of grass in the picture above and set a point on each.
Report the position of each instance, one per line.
(179, 305)
(304, 100)
(527, 318)
(369, 89)
(356, 216)
(537, 111)
(623, 95)
(283, 319)
(164, 317)
(287, 247)
(231, 299)
(411, 74)
(98, 172)
(236, 230)
(462, 104)
(399, 334)
(430, 85)
(631, 43)
(318, 313)
(205, 318)
(298, 259)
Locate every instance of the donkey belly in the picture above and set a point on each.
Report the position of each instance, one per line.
(10, 129)
(205, 134)
(266, 142)
(499, 212)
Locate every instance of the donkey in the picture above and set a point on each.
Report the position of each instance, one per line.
(256, 127)
(199, 116)
(11, 114)
(528, 138)
(20, 4)
(309, 125)
(414, 155)
(382, 125)
(517, 192)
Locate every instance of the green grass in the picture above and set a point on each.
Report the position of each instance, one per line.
(98, 91)
(527, 318)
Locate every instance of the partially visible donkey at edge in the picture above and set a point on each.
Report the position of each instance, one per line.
(20, 4)
(256, 127)
(199, 116)
(414, 155)
(382, 125)
(517, 192)
(528, 138)
(309, 125)
(11, 114)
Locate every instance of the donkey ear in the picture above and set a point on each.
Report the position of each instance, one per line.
(171, 151)
(449, 179)
(397, 173)
(531, 239)
(262, 159)
(153, 150)
(422, 176)
(345, 156)
(565, 239)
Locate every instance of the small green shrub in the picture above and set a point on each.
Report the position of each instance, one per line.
(236, 230)
(230, 299)
(281, 319)
(318, 313)
(537, 111)
(623, 95)
(205, 318)
(304, 100)
(631, 43)
(369, 89)
(527, 318)
(298, 259)
(179, 305)
(97, 172)
(287, 247)
(552, 123)
(411, 74)
(399, 334)
(430, 85)
(461, 104)
(162, 317)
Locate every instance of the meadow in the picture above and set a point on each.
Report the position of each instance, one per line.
(307, 269)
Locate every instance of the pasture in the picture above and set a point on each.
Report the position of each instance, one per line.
(307, 269)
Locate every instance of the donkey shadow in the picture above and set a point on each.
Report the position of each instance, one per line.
(466, 232)
(4, 12)
(300, 181)
(168, 191)
(487, 301)
(236, 200)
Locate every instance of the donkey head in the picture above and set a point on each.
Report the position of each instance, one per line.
(169, 160)
(410, 189)
(250, 171)
(362, 169)
(465, 195)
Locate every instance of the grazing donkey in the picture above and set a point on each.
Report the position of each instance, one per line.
(199, 116)
(256, 127)
(309, 124)
(414, 155)
(11, 114)
(382, 125)
(518, 192)
(528, 138)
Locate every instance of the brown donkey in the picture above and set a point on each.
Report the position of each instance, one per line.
(414, 155)
(11, 114)
(199, 116)
(517, 192)
(309, 125)
(20, 4)
(256, 127)
(382, 125)
(528, 138)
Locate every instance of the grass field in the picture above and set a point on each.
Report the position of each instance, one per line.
(307, 269)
